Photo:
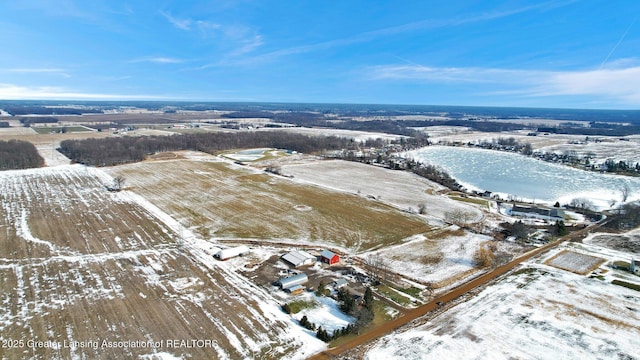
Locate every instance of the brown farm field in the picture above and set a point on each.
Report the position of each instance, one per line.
(87, 273)
(219, 199)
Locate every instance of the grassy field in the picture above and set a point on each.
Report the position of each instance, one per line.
(476, 201)
(67, 129)
(81, 264)
(220, 199)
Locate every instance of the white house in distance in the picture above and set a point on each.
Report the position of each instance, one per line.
(298, 258)
(542, 213)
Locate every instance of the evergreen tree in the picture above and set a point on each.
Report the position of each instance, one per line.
(368, 299)
(286, 308)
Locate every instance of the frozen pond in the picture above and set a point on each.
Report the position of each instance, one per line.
(247, 155)
(518, 176)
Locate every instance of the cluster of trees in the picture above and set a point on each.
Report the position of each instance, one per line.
(620, 166)
(363, 313)
(517, 229)
(626, 217)
(17, 110)
(508, 144)
(485, 255)
(27, 121)
(558, 229)
(18, 154)
(436, 174)
(595, 128)
(113, 151)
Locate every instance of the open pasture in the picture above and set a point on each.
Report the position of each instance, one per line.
(219, 199)
(401, 189)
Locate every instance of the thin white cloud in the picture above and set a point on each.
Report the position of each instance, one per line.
(182, 24)
(245, 39)
(61, 72)
(207, 28)
(619, 84)
(616, 84)
(17, 92)
(158, 60)
(408, 27)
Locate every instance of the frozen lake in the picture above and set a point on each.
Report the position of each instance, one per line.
(515, 175)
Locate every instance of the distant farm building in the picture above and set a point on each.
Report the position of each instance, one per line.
(298, 258)
(542, 213)
(288, 282)
(635, 267)
(229, 253)
(329, 257)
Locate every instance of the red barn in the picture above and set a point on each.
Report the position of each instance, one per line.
(329, 257)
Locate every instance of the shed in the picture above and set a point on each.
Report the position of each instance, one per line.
(229, 253)
(339, 283)
(295, 289)
(329, 257)
(635, 267)
(298, 258)
(290, 281)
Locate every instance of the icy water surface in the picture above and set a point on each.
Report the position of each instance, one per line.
(518, 176)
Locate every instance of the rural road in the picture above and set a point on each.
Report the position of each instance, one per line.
(413, 314)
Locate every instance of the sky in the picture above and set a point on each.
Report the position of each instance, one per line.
(557, 53)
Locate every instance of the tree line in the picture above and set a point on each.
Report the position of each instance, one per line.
(18, 154)
(121, 150)
(27, 121)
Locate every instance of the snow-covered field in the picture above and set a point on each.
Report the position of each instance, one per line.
(350, 134)
(605, 148)
(86, 273)
(220, 199)
(401, 189)
(535, 312)
(443, 261)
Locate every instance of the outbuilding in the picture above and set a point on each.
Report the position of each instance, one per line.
(634, 267)
(229, 253)
(290, 281)
(329, 257)
(543, 213)
(298, 258)
(295, 289)
(340, 283)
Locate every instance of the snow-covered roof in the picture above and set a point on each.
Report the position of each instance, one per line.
(294, 288)
(299, 257)
(327, 254)
(293, 280)
(340, 283)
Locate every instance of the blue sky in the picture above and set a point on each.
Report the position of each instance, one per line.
(564, 53)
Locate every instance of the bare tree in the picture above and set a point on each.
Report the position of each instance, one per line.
(118, 182)
(459, 217)
(377, 266)
(422, 209)
(625, 193)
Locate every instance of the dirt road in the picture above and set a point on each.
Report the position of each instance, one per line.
(413, 314)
